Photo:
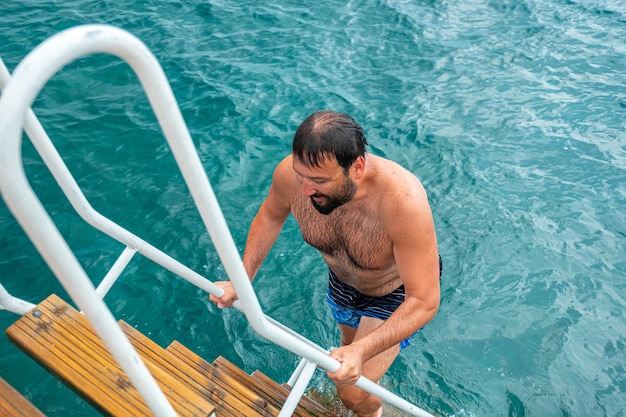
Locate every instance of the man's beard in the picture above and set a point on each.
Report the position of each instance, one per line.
(344, 195)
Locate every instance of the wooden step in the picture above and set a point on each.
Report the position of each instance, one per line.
(13, 404)
(273, 397)
(312, 407)
(61, 339)
(271, 389)
(230, 396)
(258, 386)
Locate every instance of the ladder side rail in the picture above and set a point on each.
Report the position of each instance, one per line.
(7, 301)
(45, 148)
(20, 92)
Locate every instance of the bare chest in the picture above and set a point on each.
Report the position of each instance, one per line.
(351, 240)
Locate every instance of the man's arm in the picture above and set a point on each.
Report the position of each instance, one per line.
(264, 229)
(269, 220)
(411, 229)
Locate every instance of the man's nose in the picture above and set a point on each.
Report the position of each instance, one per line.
(308, 189)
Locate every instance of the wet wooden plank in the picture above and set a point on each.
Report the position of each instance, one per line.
(268, 388)
(61, 339)
(14, 404)
(230, 396)
(164, 367)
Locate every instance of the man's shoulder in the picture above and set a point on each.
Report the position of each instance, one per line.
(284, 170)
(284, 180)
(394, 177)
(401, 191)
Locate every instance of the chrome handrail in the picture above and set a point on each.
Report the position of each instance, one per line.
(28, 79)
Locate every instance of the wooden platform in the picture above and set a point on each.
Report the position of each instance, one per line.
(62, 341)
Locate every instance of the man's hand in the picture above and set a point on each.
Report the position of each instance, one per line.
(351, 359)
(229, 296)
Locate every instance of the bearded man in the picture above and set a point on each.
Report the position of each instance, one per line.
(371, 221)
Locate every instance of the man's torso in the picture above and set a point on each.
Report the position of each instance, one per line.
(353, 241)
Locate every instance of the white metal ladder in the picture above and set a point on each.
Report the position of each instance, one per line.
(18, 94)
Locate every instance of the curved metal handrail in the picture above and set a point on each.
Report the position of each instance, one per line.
(28, 79)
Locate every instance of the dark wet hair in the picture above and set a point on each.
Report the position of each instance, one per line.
(328, 134)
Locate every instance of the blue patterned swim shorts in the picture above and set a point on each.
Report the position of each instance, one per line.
(348, 305)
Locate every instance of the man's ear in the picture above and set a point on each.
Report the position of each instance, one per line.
(358, 167)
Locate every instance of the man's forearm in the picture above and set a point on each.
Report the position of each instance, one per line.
(261, 237)
(410, 316)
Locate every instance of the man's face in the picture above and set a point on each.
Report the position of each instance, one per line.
(328, 186)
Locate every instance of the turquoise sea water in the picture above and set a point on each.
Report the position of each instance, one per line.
(512, 113)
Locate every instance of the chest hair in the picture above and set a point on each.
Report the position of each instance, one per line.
(355, 238)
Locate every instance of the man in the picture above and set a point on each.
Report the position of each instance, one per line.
(371, 222)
